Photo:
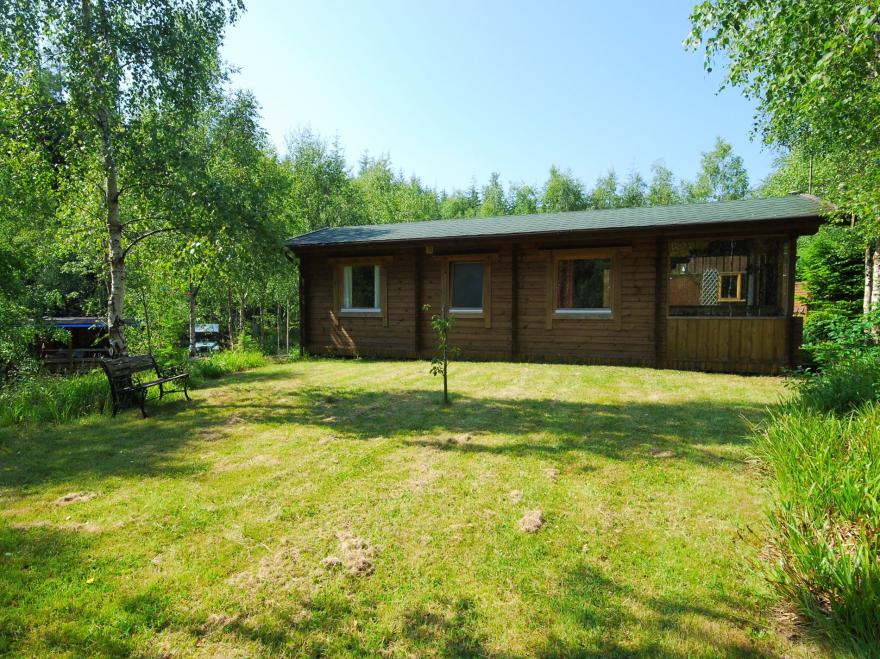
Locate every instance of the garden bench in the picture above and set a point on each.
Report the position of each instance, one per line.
(125, 388)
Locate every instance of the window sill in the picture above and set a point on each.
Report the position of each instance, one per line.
(604, 314)
(466, 313)
(360, 313)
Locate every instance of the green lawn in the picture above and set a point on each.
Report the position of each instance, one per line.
(211, 521)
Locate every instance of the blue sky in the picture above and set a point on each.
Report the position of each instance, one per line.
(452, 91)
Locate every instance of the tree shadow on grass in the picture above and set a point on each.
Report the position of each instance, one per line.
(53, 597)
(694, 431)
(594, 616)
(606, 612)
(447, 629)
(124, 445)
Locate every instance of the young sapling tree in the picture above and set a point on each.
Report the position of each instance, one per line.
(441, 324)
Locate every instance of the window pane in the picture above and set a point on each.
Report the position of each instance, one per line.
(726, 277)
(729, 287)
(584, 284)
(467, 286)
(360, 281)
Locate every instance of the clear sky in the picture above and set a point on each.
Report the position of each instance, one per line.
(454, 90)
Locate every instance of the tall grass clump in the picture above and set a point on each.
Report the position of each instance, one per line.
(53, 399)
(42, 398)
(222, 363)
(825, 518)
(822, 450)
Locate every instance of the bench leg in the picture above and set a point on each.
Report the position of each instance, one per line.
(143, 402)
(185, 392)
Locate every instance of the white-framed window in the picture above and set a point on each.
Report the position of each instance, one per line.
(360, 288)
(466, 286)
(583, 287)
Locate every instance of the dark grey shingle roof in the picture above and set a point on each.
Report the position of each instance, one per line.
(742, 210)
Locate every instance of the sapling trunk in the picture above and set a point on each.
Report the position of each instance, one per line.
(445, 371)
(440, 364)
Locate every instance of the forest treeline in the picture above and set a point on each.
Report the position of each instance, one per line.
(156, 200)
(135, 185)
(327, 193)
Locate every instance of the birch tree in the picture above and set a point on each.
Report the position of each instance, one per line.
(119, 63)
(813, 66)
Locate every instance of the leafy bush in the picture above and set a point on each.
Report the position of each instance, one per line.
(831, 338)
(53, 399)
(848, 358)
(825, 520)
(841, 387)
(831, 265)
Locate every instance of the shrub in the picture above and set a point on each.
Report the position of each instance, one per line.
(831, 338)
(841, 387)
(825, 519)
(53, 399)
(848, 358)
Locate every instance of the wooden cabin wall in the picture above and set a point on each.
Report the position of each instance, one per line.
(626, 338)
(641, 332)
(334, 334)
(471, 335)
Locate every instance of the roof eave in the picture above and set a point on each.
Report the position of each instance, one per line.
(807, 220)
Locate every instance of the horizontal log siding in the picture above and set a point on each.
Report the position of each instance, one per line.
(471, 335)
(640, 334)
(627, 340)
(353, 336)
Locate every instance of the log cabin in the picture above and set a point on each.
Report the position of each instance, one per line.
(693, 287)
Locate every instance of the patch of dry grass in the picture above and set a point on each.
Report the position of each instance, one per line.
(216, 521)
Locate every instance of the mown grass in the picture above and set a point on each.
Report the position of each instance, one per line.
(210, 520)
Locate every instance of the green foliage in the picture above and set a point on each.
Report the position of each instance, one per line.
(562, 192)
(831, 265)
(812, 67)
(244, 342)
(823, 453)
(523, 200)
(722, 176)
(459, 204)
(663, 191)
(831, 338)
(38, 399)
(844, 386)
(224, 363)
(442, 324)
(605, 194)
(847, 355)
(825, 522)
(494, 201)
(633, 192)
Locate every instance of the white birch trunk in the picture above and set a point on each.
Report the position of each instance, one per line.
(116, 259)
(869, 279)
(115, 251)
(875, 276)
(193, 292)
